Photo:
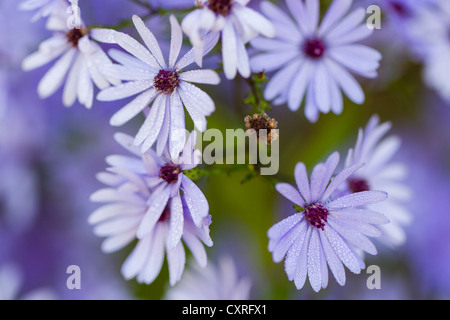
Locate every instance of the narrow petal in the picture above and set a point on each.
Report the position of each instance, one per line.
(157, 204)
(176, 260)
(290, 193)
(150, 270)
(229, 51)
(342, 249)
(204, 76)
(333, 260)
(136, 49)
(53, 79)
(176, 41)
(136, 260)
(150, 40)
(314, 267)
(340, 179)
(177, 133)
(176, 222)
(124, 90)
(357, 199)
(133, 108)
(301, 178)
(196, 200)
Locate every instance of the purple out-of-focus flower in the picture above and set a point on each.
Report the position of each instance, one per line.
(325, 232)
(11, 280)
(430, 28)
(79, 64)
(380, 173)
(159, 82)
(312, 60)
(145, 203)
(237, 24)
(215, 282)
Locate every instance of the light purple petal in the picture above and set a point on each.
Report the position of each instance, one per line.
(196, 200)
(302, 266)
(290, 193)
(176, 259)
(133, 108)
(176, 41)
(176, 222)
(340, 179)
(293, 255)
(314, 267)
(282, 227)
(301, 178)
(341, 248)
(157, 203)
(357, 199)
(155, 255)
(333, 260)
(149, 40)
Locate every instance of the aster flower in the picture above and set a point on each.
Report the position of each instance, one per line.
(380, 173)
(237, 24)
(80, 59)
(313, 60)
(215, 282)
(163, 84)
(145, 203)
(325, 231)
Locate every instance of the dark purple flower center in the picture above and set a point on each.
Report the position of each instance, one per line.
(166, 81)
(74, 35)
(221, 7)
(400, 9)
(314, 48)
(169, 173)
(316, 214)
(358, 185)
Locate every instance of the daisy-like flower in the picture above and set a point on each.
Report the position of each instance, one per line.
(380, 173)
(325, 231)
(314, 60)
(215, 282)
(80, 59)
(237, 24)
(43, 8)
(163, 84)
(145, 203)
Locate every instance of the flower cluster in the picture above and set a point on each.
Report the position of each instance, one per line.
(150, 199)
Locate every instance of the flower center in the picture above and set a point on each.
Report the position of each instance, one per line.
(74, 35)
(166, 81)
(316, 214)
(358, 185)
(222, 7)
(169, 173)
(314, 48)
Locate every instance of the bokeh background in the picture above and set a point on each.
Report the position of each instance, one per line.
(49, 156)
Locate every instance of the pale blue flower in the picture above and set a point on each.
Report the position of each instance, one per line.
(381, 173)
(326, 231)
(312, 61)
(145, 202)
